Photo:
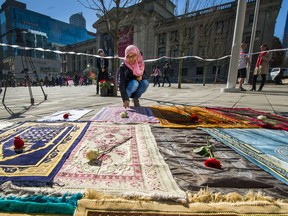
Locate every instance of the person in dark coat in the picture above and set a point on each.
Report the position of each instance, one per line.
(133, 82)
(102, 66)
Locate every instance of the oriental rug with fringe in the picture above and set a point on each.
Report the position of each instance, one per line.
(266, 148)
(193, 117)
(134, 115)
(74, 115)
(46, 147)
(137, 208)
(133, 168)
(249, 116)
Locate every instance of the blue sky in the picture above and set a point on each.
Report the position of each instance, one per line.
(63, 9)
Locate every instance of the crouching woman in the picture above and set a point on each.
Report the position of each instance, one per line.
(133, 82)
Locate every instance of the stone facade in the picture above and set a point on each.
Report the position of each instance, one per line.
(207, 34)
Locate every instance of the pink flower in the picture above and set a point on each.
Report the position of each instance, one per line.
(212, 162)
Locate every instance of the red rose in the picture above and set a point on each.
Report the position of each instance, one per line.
(18, 142)
(212, 162)
(66, 116)
(194, 117)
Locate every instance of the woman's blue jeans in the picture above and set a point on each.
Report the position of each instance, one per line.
(137, 88)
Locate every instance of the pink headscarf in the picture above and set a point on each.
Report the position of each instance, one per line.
(138, 66)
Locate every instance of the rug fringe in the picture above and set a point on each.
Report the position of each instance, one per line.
(204, 195)
(138, 196)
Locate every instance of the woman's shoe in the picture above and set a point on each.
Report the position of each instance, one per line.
(252, 89)
(136, 102)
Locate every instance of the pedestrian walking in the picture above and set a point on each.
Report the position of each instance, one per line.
(156, 76)
(262, 67)
(166, 72)
(102, 66)
(243, 61)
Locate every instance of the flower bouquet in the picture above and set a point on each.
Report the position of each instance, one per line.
(104, 84)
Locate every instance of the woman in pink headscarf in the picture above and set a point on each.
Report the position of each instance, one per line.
(133, 82)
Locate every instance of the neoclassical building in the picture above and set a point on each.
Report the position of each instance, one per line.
(206, 33)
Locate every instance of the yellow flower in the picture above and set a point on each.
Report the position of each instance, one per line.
(92, 154)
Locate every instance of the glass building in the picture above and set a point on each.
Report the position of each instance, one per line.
(19, 26)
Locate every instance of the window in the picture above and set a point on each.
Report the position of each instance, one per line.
(174, 52)
(220, 27)
(251, 19)
(162, 38)
(189, 33)
(174, 36)
(207, 30)
(161, 51)
(184, 71)
(214, 69)
(201, 51)
(199, 71)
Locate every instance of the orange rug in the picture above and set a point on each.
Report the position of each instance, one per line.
(194, 116)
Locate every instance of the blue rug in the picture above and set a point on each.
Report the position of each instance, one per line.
(47, 145)
(266, 148)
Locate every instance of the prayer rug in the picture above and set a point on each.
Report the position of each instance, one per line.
(266, 148)
(152, 208)
(5, 124)
(46, 146)
(74, 115)
(135, 115)
(193, 117)
(134, 167)
(249, 116)
(237, 175)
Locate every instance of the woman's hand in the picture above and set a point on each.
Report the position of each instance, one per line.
(126, 104)
(139, 78)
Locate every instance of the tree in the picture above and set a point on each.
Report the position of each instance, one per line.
(199, 21)
(113, 15)
(277, 57)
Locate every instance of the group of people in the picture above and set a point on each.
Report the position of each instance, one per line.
(261, 67)
(133, 79)
(156, 74)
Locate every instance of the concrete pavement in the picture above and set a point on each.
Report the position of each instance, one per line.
(273, 98)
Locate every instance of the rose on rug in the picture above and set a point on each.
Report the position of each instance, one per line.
(133, 168)
(134, 115)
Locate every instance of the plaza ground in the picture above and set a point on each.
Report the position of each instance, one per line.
(273, 99)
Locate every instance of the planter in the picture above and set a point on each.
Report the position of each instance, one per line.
(103, 92)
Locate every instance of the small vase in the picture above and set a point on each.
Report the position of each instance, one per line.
(103, 92)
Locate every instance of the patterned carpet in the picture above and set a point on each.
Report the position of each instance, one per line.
(249, 116)
(135, 115)
(266, 148)
(46, 147)
(193, 117)
(134, 168)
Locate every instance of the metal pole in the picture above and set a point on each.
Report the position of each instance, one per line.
(235, 52)
(252, 40)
